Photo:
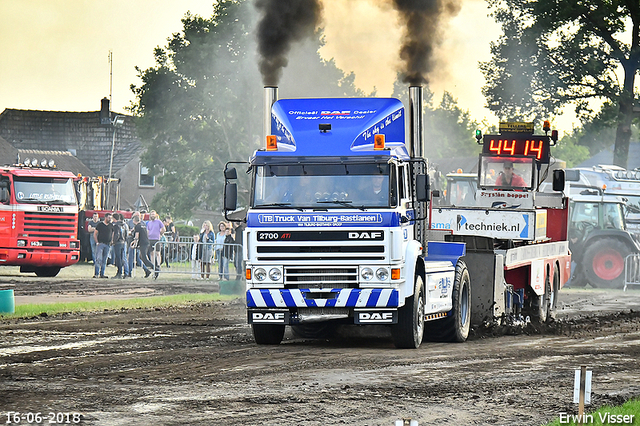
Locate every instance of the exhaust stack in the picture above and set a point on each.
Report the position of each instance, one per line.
(416, 139)
(270, 97)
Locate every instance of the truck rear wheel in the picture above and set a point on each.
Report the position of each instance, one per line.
(44, 271)
(268, 334)
(553, 296)
(539, 305)
(408, 332)
(603, 263)
(455, 327)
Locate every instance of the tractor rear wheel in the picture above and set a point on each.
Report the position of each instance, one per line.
(603, 263)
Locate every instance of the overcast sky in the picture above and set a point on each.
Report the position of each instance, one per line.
(55, 52)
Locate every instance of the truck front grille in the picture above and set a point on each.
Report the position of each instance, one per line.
(314, 277)
(50, 225)
(320, 252)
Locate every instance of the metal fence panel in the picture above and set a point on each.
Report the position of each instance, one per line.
(631, 270)
(199, 260)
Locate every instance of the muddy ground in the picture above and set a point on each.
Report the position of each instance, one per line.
(198, 365)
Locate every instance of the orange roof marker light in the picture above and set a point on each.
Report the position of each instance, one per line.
(272, 143)
(378, 142)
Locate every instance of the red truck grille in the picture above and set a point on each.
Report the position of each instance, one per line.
(50, 225)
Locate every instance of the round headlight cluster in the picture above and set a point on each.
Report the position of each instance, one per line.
(275, 274)
(381, 274)
(260, 274)
(366, 274)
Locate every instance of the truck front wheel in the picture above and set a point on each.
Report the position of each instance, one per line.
(268, 334)
(44, 271)
(455, 327)
(408, 332)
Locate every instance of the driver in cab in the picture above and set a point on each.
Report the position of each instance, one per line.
(509, 178)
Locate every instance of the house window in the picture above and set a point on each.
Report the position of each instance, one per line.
(146, 179)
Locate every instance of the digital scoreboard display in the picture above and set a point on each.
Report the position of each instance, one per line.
(537, 147)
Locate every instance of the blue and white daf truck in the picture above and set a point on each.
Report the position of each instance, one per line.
(338, 231)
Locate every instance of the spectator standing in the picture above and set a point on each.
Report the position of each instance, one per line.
(207, 238)
(133, 256)
(220, 236)
(119, 241)
(227, 252)
(91, 227)
(170, 235)
(141, 242)
(170, 229)
(155, 229)
(102, 236)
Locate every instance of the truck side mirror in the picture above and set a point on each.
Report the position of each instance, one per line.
(230, 196)
(422, 188)
(230, 173)
(558, 179)
(4, 192)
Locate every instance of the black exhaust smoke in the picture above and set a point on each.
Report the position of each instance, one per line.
(282, 23)
(423, 23)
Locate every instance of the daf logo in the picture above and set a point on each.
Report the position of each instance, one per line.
(375, 316)
(268, 316)
(365, 235)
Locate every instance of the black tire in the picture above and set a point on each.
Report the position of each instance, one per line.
(408, 332)
(553, 296)
(268, 334)
(47, 272)
(603, 263)
(455, 327)
(538, 306)
(317, 330)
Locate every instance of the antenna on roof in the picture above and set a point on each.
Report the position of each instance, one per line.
(110, 77)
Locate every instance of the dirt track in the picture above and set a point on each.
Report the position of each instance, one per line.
(199, 366)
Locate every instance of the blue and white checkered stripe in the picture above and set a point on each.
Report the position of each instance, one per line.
(347, 298)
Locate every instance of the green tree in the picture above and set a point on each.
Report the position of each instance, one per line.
(201, 104)
(555, 52)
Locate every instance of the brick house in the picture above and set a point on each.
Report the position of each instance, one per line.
(81, 142)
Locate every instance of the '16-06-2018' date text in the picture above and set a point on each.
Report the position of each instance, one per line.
(16, 417)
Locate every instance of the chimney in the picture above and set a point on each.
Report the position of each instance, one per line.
(105, 111)
(270, 97)
(416, 140)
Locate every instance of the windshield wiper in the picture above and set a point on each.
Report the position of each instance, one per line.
(342, 203)
(278, 205)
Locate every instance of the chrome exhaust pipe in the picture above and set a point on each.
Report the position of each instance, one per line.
(270, 97)
(416, 123)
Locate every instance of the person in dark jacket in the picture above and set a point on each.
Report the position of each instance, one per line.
(141, 242)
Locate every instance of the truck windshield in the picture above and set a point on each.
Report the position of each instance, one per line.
(322, 185)
(39, 190)
(506, 172)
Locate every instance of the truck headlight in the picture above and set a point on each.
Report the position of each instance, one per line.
(382, 274)
(260, 274)
(275, 274)
(22, 243)
(366, 274)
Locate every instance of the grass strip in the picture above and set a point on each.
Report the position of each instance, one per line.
(31, 310)
(606, 415)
